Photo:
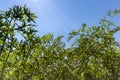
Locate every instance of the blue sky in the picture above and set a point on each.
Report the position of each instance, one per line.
(62, 16)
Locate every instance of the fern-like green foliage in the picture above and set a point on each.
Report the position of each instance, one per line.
(94, 54)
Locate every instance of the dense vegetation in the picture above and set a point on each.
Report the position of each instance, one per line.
(94, 55)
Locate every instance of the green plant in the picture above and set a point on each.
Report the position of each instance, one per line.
(94, 55)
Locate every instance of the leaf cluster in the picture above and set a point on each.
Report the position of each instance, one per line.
(94, 54)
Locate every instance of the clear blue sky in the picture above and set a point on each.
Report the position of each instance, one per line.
(62, 16)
